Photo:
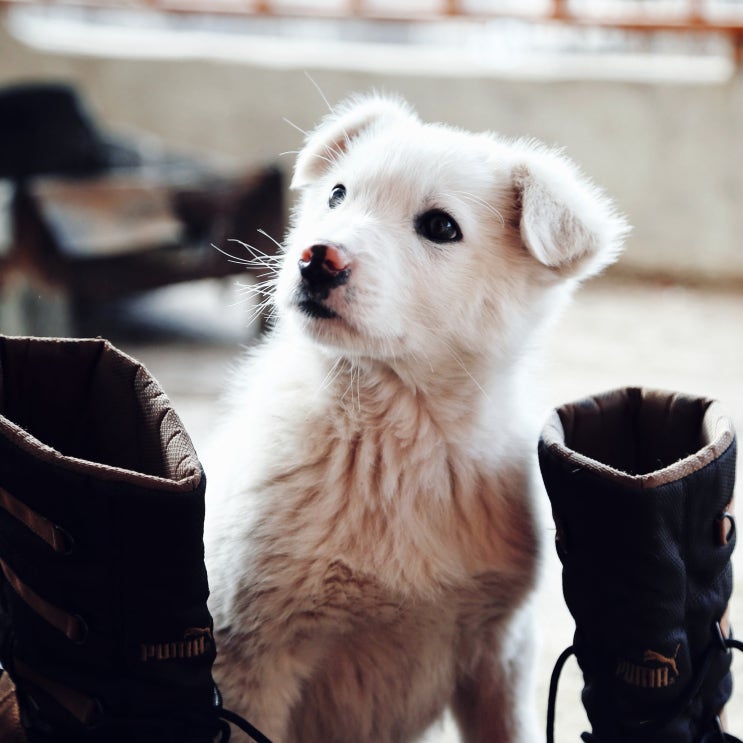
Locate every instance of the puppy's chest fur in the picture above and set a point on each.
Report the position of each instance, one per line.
(372, 502)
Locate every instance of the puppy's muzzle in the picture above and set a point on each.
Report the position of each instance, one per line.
(323, 267)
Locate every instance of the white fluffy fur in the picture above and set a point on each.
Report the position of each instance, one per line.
(371, 536)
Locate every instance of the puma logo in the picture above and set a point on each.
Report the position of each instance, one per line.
(661, 672)
(196, 641)
(651, 655)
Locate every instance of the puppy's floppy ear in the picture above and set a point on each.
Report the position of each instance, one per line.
(565, 221)
(337, 131)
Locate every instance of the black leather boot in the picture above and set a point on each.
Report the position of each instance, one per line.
(104, 627)
(641, 485)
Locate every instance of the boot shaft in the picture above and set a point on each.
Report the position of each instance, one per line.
(641, 485)
(103, 619)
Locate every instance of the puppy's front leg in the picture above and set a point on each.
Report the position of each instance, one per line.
(494, 702)
(261, 678)
(279, 634)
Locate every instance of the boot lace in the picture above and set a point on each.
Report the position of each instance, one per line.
(227, 717)
(718, 735)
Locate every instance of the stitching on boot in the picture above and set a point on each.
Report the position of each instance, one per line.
(660, 675)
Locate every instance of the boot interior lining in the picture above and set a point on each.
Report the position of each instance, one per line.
(88, 401)
(637, 431)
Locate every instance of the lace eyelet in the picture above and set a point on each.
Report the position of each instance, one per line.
(725, 528)
(64, 544)
(96, 716)
(80, 634)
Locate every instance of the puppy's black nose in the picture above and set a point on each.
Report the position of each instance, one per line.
(323, 267)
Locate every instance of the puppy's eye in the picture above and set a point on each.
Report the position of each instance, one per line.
(438, 226)
(337, 195)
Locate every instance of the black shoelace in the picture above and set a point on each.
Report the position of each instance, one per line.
(227, 717)
(720, 643)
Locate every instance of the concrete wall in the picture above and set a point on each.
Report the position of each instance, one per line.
(670, 153)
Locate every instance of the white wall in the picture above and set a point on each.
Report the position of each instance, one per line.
(671, 154)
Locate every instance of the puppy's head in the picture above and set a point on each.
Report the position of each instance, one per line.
(413, 240)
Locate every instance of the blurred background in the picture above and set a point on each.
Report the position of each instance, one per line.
(136, 133)
(139, 138)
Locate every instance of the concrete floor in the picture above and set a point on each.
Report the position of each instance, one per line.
(614, 335)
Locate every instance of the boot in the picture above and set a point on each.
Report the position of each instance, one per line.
(641, 486)
(104, 627)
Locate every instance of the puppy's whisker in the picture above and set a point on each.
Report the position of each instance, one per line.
(329, 376)
(239, 302)
(260, 265)
(263, 285)
(335, 153)
(481, 202)
(229, 255)
(328, 160)
(359, 385)
(462, 365)
(257, 265)
(268, 278)
(354, 386)
(333, 374)
(257, 252)
(278, 258)
(255, 261)
(457, 359)
(421, 354)
(295, 126)
(260, 287)
(259, 310)
(319, 90)
(331, 158)
(240, 262)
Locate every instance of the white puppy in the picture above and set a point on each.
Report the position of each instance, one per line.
(371, 538)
